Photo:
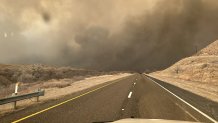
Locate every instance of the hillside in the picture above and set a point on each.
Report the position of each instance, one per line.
(31, 73)
(211, 50)
(198, 73)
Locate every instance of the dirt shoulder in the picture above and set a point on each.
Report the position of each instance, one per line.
(203, 89)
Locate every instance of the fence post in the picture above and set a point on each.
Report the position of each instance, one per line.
(14, 104)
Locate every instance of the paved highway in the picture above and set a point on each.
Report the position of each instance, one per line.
(136, 96)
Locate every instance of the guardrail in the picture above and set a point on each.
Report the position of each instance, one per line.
(14, 98)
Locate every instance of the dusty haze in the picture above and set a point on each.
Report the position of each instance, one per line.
(105, 34)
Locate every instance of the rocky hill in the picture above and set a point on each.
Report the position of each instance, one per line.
(211, 50)
(198, 73)
(202, 67)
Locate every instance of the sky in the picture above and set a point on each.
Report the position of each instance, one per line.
(105, 34)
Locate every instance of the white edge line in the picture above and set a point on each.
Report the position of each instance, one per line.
(130, 94)
(187, 112)
(202, 113)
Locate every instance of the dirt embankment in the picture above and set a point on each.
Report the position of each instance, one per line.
(198, 73)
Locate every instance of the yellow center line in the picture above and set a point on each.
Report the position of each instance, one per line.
(44, 110)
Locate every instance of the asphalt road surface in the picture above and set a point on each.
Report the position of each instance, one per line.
(136, 96)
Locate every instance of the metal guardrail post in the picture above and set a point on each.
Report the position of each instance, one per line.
(37, 98)
(14, 98)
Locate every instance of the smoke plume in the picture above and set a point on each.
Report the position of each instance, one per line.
(105, 34)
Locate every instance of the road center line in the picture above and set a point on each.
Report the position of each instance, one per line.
(202, 113)
(130, 94)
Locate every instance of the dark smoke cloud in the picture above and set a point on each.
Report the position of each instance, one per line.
(46, 17)
(104, 35)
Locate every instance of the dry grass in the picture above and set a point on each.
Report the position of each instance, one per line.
(34, 73)
(29, 87)
(196, 68)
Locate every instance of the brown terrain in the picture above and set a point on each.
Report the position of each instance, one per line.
(38, 74)
(198, 73)
(56, 81)
(32, 74)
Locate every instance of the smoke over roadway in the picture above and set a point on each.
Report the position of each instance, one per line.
(105, 34)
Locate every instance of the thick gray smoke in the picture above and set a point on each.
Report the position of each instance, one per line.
(105, 34)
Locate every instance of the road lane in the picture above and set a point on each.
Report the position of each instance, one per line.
(205, 110)
(99, 105)
(151, 102)
(135, 96)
